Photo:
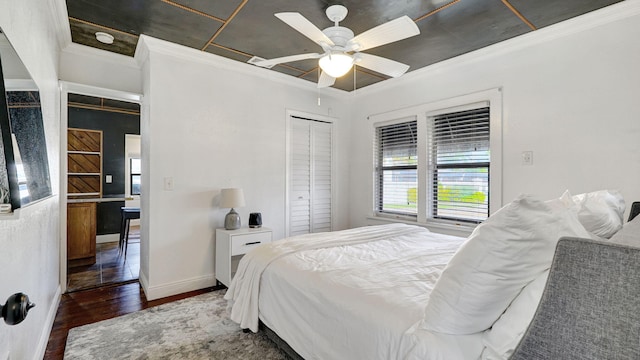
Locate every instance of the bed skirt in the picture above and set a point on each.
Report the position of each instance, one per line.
(281, 344)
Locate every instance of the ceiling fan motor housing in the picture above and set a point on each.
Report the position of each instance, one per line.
(340, 35)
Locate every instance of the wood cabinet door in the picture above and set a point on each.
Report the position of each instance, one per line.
(81, 230)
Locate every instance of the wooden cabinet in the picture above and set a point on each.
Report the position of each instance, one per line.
(81, 233)
(84, 163)
(231, 245)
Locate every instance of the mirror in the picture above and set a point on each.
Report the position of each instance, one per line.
(24, 165)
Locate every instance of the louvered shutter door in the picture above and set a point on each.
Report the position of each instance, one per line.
(310, 186)
(321, 175)
(300, 187)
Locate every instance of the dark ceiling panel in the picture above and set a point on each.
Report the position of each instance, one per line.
(150, 17)
(220, 9)
(448, 27)
(456, 30)
(363, 78)
(545, 13)
(85, 34)
(255, 30)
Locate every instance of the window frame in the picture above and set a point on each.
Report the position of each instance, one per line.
(491, 98)
(132, 174)
(379, 170)
(432, 176)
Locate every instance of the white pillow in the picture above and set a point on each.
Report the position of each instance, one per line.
(501, 340)
(601, 211)
(501, 256)
(629, 234)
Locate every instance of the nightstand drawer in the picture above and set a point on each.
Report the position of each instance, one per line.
(241, 243)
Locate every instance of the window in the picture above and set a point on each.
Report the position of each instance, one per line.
(135, 170)
(440, 163)
(459, 165)
(397, 168)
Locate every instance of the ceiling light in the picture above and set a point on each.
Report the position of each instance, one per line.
(337, 64)
(104, 38)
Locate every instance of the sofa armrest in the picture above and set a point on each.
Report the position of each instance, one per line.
(590, 308)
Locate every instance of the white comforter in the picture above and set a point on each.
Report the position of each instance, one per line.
(353, 294)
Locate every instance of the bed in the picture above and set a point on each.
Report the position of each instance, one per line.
(399, 291)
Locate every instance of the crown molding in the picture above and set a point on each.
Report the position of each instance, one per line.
(148, 45)
(612, 13)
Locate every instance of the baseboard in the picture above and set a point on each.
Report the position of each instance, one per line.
(51, 317)
(178, 287)
(106, 238)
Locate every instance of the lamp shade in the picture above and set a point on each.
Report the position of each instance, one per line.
(231, 198)
(336, 64)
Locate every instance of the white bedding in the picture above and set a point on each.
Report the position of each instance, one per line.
(354, 294)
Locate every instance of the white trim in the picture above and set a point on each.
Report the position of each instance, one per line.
(50, 319)
(609, 14)
(178, 287)
(107, 238)
(71, 87)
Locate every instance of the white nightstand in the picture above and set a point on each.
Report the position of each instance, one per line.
(231, 245)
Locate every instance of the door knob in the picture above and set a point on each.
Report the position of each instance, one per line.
(16, 308)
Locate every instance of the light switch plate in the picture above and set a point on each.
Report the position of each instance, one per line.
(527, 158)
(168, 183)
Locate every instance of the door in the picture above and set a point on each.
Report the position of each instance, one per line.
(310, 176)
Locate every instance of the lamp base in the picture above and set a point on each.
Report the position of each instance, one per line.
(232, 220)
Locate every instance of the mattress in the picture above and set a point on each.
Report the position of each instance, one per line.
(359, 299)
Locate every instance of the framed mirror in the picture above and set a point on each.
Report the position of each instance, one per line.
(24, 164)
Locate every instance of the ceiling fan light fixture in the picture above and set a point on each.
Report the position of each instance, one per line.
(336, 65)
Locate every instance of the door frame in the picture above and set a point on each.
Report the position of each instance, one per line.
(65, 89)
(317, 117)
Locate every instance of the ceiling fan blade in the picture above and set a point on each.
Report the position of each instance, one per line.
(306, 28)
(394, 30)
(382, 65)
(285, 59)
(325, 80)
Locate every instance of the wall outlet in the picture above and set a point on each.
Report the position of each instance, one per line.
(527, 158)
(108, 179)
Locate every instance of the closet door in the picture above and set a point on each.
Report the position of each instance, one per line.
(310, 186)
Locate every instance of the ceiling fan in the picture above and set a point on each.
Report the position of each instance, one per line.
(341, 48)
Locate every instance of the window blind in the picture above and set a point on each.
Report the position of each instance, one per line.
(459, 160)
(396, 161)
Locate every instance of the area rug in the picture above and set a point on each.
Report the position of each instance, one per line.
(194, 328)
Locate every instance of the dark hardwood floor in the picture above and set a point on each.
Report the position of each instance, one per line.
(89, 306)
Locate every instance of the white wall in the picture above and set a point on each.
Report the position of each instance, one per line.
(88, 66)
(210, 123)
(29, 242)
(570, 95)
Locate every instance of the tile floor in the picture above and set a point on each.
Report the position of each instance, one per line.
(110, 267)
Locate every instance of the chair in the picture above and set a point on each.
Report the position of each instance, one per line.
(127, 214)
(590, 308)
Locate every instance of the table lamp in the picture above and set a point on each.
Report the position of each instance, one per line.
(231, 198)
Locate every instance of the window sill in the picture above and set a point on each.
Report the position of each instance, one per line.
(443, 227)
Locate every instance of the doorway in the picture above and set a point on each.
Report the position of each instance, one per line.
(97, 184)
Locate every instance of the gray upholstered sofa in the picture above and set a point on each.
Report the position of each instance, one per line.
(590, 308)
